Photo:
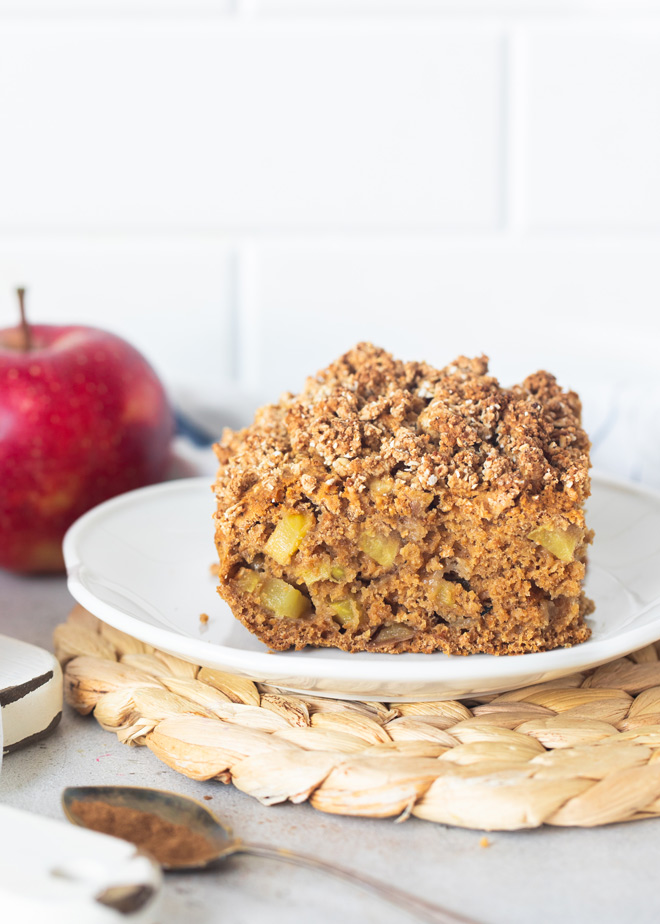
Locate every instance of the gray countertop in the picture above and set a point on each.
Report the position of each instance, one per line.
(550, 874)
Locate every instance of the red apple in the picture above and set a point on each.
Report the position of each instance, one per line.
(83, 417)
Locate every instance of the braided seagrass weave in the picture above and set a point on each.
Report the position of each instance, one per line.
(580, 751)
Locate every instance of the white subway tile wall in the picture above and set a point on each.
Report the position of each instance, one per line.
(171, 299)
(593, 113)
(246, 188)
(260, 128)
(434, 301)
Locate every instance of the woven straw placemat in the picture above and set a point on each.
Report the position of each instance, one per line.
(580, 751)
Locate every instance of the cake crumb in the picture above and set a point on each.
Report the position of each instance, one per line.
(203, 618)
(484, 842)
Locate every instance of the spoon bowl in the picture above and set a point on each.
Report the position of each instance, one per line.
(217, 841)
(168, 806)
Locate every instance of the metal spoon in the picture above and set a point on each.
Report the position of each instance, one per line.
(181, 810)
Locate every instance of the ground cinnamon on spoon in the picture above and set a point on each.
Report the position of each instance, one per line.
(169, 843)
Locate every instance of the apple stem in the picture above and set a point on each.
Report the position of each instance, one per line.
(25, 327)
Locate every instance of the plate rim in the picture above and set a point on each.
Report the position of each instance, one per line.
(255, 663)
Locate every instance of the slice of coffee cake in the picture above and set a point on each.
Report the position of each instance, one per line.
(396, 507)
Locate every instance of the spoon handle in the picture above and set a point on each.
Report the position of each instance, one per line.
(424, 910)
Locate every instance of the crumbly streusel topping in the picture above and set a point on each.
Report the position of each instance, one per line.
(369, 415)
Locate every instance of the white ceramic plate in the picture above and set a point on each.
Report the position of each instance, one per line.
(141, 562)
